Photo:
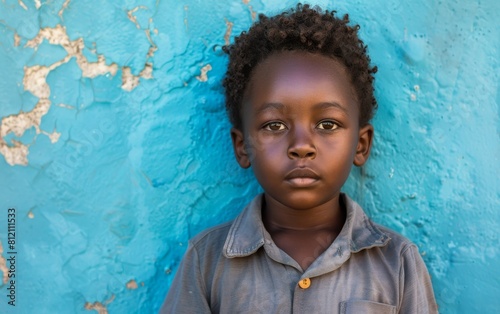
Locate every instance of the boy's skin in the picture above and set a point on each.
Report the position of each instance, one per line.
(301, 135)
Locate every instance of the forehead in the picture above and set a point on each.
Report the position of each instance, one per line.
(296, 78)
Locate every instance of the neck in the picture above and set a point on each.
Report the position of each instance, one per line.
(327, 216)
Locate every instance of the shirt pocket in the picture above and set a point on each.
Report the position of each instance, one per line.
(366, 307)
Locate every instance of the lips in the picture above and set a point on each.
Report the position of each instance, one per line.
(302, 177)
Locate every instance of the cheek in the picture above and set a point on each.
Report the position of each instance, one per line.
(262, 146)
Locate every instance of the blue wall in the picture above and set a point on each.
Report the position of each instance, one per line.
(115, 145)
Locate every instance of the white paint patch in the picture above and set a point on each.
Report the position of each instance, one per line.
(38, 4)
(229, 29)
(21, 3)
(64, 7)
(204, 70)
(131, 16)
(132, 285)
(3, 266)
(98, 306)
(66, 106)
(129, 81)
(17, 40)
(18, 124)
(54, 136)
(35, 80)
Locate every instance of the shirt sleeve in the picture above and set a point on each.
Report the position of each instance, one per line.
(417, 296)
(187, 292)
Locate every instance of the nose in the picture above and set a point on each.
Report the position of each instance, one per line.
(301, 145)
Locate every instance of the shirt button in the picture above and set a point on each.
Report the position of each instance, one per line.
(305, 283)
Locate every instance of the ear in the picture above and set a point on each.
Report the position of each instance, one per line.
(239, 148)
(364, 145)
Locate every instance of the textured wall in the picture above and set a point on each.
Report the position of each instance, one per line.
(115, 146)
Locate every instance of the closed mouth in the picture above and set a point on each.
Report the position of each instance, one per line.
(302, 176)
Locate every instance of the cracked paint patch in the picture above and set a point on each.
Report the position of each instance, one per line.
(229, 29)
(98, 306)
(204, 70)
(132, 285)
(3, 266)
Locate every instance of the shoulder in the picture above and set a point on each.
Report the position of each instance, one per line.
(398, 243)
(400, 252)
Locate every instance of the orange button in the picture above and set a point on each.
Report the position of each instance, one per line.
(305, 283)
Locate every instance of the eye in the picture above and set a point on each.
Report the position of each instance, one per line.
(327, 125)
(274, 126)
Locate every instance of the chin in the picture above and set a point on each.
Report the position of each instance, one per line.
(303, 200)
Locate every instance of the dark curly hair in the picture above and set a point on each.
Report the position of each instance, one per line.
(305, 29)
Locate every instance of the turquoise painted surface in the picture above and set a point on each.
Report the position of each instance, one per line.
(115, 146)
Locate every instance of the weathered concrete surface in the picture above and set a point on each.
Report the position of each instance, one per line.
(115, 146)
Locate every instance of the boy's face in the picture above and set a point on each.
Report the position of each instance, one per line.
(300, 129)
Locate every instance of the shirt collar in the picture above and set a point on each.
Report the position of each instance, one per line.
(247, 233)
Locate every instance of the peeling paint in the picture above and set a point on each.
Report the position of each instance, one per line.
(132, 285)
(64, 7)
(58, 36)
(35, 81)
(3, 266)
(54, 136)
(23, 121)
(204, 70)
(38, 4)
(186, 8)
(253, 14)
(98, 306)
(131, 17)
(130, 81)
(66, 106)
(17, 40)
(229, 29)
(31, 215)
(18, 124)
(21, 3)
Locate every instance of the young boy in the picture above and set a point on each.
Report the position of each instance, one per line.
(299, 93)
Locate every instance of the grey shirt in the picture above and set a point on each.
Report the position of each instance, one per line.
(237, 268)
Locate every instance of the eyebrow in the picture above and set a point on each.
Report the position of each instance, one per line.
(272, 105)
(321, 106)
(326, 105)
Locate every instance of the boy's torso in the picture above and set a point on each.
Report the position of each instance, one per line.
(244, 271)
